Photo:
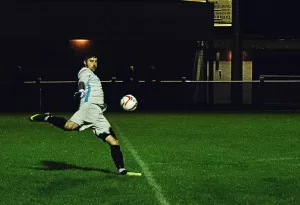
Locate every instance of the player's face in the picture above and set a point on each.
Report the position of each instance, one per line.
(91, 63)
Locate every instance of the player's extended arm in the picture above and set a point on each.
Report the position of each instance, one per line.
(83, 79)
(81, 91)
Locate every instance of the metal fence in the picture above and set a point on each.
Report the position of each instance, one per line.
(42, 96)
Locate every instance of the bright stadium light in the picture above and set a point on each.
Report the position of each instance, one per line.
(80, 44)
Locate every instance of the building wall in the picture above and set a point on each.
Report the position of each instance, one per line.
(222, 86)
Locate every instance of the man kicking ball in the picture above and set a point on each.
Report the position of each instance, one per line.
(90, 112)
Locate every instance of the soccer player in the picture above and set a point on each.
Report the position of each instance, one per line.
(90, 112)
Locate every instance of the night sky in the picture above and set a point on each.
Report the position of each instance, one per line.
(36, 36)
(270, 18)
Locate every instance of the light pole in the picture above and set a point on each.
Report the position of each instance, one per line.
(236, 62)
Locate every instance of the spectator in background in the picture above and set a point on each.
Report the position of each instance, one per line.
(131, 76)
(153, 86)
(152, 74)
(18, 84)
(19, 75)
(131, 81)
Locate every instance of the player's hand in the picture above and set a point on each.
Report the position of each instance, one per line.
(80, 94)
(104, 107)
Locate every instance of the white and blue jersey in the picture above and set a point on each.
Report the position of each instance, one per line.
(93, 87)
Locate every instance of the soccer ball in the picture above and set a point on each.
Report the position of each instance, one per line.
(128, 103)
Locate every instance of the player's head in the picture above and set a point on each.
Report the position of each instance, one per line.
(91, 61)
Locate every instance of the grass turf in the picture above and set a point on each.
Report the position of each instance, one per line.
(185, 158)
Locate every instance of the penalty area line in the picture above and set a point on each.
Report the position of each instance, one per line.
(145, 169)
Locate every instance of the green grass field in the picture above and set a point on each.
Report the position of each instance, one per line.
(185, 158)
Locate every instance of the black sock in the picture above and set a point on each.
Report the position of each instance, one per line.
(57, 121)
(117, 156)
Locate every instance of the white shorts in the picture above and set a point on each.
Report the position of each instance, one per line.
(91, 115)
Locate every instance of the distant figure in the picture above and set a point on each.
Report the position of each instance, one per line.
(152, 74)
(131, 81)
(131, 75)
(153, 86)
(19, 74)
(18, 84)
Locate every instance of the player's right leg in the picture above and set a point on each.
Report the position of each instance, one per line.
(59, 122)
(75, 122)
(39, 117)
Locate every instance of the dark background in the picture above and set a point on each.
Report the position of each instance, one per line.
(270, 18)
(36, 36)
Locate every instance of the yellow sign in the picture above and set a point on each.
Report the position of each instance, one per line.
(223, 12)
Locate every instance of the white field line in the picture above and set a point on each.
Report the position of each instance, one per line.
(145, 170)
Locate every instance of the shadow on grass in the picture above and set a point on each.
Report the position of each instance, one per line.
(54, 166)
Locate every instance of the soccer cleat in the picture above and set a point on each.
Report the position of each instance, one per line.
(39, 117)
(134, 174)
(125, 172)
(122, 171)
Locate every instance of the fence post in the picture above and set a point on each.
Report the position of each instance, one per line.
(261, 92)
(113, 93)
(184, 91)
(39, 85)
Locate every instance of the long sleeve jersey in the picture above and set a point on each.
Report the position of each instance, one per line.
(93, 87)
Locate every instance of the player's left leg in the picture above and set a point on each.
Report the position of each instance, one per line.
(103, 130)
(115, 149)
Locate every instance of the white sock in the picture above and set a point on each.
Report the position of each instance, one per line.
(46, 118)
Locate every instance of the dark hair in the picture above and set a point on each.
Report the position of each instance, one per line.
(90, 55)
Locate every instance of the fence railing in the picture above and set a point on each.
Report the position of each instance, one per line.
(41, 96)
